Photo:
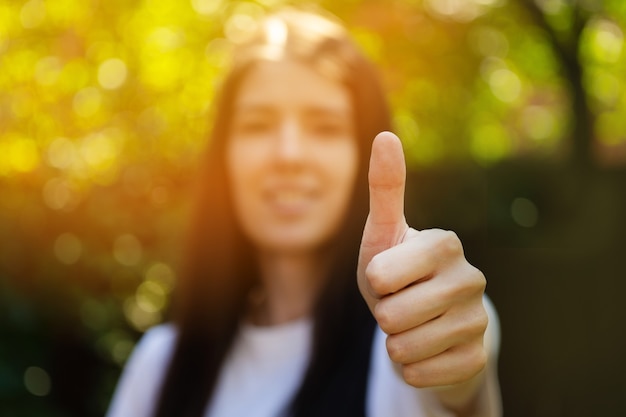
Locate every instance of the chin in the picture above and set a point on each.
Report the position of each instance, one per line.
(291, 245)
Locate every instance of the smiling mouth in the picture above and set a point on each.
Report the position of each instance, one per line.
(290, 202)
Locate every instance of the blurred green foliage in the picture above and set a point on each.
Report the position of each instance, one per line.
(104, 107)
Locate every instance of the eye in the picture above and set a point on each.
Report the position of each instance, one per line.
(257, 126)
(328, 127)
(253, 126)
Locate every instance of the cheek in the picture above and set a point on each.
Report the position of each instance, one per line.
(345, 168)
(233, 172)
(240, 169)
(242, 162)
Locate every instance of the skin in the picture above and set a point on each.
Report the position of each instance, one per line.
(292, 171)
(422, 291)
(292, 162)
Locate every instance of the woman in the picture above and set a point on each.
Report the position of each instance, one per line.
(269, 320)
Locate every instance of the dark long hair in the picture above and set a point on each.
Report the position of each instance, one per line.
(219, 268)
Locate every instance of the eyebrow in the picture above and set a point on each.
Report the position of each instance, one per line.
(326, 112)
(312, 110)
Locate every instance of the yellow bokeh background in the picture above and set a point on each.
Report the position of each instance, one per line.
(105, 107)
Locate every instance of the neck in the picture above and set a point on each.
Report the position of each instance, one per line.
(290, 285)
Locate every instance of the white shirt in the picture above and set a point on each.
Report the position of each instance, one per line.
(265, 367)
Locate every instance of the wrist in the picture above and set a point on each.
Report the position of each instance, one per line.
(462, 399)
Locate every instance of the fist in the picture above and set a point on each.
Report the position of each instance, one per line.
(418, 285)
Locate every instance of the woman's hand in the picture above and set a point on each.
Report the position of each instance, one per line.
(420, 288)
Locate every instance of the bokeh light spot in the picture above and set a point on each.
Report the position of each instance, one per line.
(524, 212)
(239, 26)
(69, 13)
(121, 350)
(21, 66)
(413, 142)
(164, 39)
(68, 248)
(8, 23)
(207, 7)
(460, 10)
(139, 318)
(604, 86)
(152, 121)
(488, 41)
(47, 70)
(539, 123)
(62, 153)
(161, 273)
(32, 14)
(22, 105)
(87, 102)
(505, 85)
(59, 194)
(151, 296)
(117, 345)
(489, 142)
(112, 73)
(23, 155)
(37, 381)
(551, 7)
(99, 150)
(606, 40)
(165, 72)
(127, 250)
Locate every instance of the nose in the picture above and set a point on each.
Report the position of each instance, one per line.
(290, 142)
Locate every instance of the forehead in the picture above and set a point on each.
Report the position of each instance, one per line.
(291, 85)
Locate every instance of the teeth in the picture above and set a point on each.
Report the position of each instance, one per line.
(289, 197)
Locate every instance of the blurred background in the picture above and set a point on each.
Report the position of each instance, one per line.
(513, 117)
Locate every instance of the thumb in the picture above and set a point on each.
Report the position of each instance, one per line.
(386, 224)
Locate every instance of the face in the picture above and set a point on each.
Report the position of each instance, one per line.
(291, 157)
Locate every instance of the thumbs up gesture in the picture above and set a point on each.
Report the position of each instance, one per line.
(418, 285)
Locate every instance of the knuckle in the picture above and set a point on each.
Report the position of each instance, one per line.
(482, 359)
(375, 274)
(473, 325)
(471, 284)
(479, 326)
(479, 279)
(474, 360)
(449, 244)
(396, 349)
(483, 320)
(413, 376)
(384, 316)
(477, 359)
(478, 321)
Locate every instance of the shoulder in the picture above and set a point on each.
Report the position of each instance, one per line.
(153, 350)
(138, 387)
(157, 341)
